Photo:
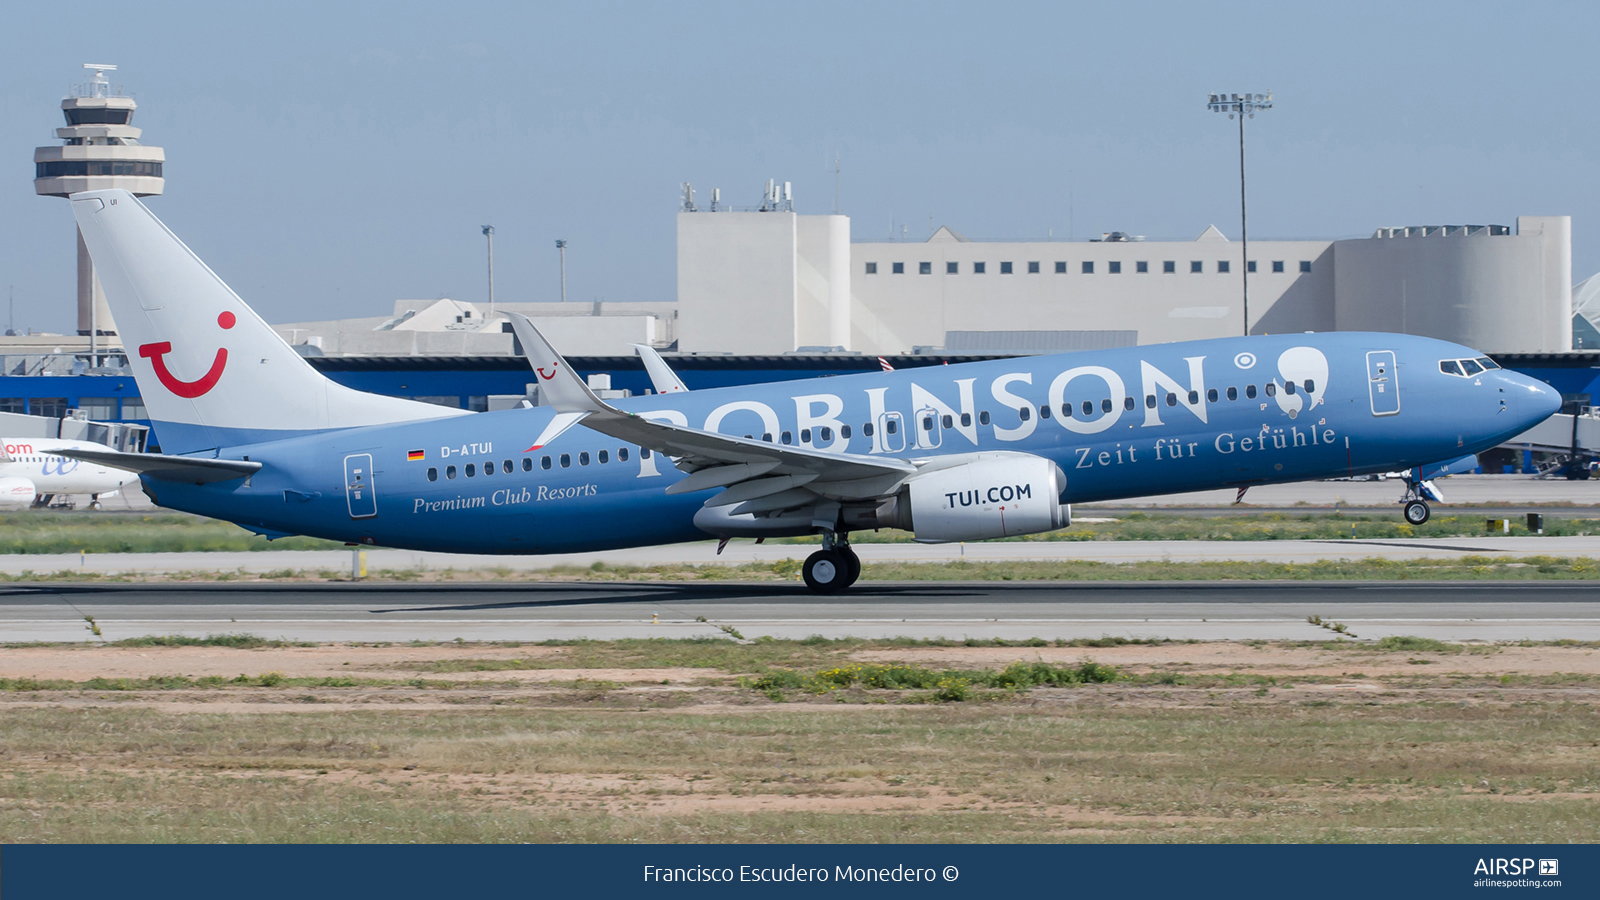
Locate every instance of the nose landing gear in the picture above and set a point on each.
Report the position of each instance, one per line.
(1416, 512)
(834, 567)
(1418, 492)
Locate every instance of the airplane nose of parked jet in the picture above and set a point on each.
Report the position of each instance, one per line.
(1532, 401)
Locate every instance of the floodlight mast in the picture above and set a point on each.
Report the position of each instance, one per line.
(488, 232)
(562, 246)
(1241, 105)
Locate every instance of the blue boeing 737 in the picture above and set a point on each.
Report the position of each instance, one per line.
(252, 434)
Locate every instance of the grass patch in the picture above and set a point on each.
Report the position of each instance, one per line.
(1174, 526)
(52, 531)
(236, 641)
(1411, 644)
(947, 684)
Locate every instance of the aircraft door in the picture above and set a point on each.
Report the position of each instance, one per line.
(893, 432)
(1383, 385)
(358, 489)
(929, 434)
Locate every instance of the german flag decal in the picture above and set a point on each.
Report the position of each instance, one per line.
(415, 455)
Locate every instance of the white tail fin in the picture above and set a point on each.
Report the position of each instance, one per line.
(212, 373)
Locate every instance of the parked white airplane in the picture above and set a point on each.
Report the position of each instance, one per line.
(32, 470)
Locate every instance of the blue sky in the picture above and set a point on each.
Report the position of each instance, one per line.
(329, 158)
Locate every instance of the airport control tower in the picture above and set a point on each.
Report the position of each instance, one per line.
(100, 150)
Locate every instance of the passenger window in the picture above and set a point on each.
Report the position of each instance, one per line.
(1211, 395)
(505, 466)
(1149, 401)
(449, 471)
(1194, 398)
(890, 426)
(983, 417)
(927, 423)
(1311, 386)
(1088, 408)
(1105, 405)
(1025, 414)
(471, 469)
(583, 458)
(866, 429)
(966, 420)
(488, 467)
(1288, 387)
(805, 435)
(566, 460)
(1233, 393)
(433, 474)
(544, 463)
(1172, 399)
(947, 421)
(1272, 389)
(1127, 403)
(1066, 410)
(1250, 391)
(644, 452)
(604, 457)
(1471, 367)
(1488, 363)
(827, 434)
(527, 463)
(622, 452)
(844, 432)
(787, 438)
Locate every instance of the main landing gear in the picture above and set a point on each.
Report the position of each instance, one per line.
(834, 567)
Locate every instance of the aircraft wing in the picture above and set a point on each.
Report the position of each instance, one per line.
(749, 468)
(662, 377)
(184, 469)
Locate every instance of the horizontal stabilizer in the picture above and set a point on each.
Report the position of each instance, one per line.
(182, 469)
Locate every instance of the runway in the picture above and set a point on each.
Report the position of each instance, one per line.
(533, 612)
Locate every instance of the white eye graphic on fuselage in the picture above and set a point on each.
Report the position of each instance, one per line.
(1302, 366)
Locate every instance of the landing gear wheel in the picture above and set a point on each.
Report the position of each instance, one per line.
(826, 571)
(1417, 512)
(852, 563)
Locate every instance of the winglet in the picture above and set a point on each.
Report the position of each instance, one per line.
(662, 377)
(560, 388)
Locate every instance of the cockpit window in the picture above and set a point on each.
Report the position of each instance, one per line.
(1488, 363)
(1471, 367)
(1449, 367)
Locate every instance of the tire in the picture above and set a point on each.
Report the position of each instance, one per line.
(853, 566)
(826, 572)
(1417, 512)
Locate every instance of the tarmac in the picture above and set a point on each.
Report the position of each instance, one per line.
(1482, 611)
(743, 551)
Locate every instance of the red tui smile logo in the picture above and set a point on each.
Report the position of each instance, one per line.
(157, 352)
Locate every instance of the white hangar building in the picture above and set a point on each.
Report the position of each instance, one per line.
(773, 281)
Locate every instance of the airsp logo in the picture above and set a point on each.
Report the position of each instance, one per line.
(1245, 360)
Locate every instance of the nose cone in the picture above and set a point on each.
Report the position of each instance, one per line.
(1532, 401)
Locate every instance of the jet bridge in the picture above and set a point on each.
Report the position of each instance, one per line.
(1573, 440)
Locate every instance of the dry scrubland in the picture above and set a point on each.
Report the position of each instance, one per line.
(238, 739)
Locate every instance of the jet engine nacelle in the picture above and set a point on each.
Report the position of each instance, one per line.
(979, 497)
(15, 491)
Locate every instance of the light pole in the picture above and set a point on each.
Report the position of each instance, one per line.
(488, 232)
(1241, 105)
(562, 246)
